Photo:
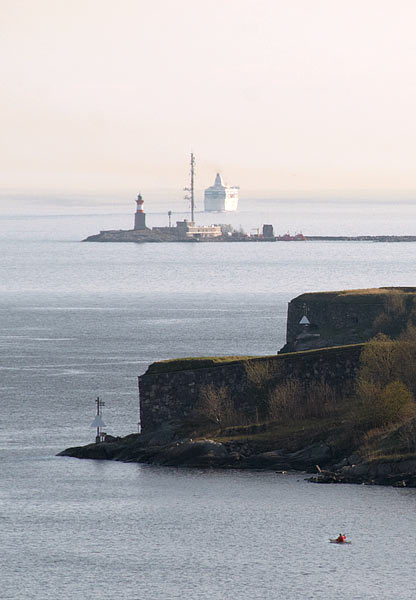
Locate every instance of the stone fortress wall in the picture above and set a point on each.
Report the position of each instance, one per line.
(324, 348)
(323, 319)
(170, 392)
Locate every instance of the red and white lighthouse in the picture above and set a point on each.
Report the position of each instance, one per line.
(139, 217)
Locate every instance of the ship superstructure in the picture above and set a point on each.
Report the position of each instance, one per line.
(221, 197)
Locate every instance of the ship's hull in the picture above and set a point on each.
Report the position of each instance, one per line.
(220, 204)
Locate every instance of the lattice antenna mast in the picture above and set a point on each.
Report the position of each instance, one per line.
(190, 189)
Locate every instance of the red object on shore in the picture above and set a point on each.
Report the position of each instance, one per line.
(298, 237)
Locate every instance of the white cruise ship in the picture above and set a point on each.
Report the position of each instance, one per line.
(220, 197)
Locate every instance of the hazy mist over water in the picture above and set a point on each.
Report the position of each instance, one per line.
(360, 214)
(82, 320)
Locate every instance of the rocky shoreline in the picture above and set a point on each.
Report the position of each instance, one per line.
(396, 473)
(163, 448)
(157, 236)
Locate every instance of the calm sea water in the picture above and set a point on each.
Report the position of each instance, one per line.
(81, 320)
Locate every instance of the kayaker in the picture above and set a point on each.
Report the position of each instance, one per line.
(341, 539)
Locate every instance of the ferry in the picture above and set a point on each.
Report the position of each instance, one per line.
(221, 197)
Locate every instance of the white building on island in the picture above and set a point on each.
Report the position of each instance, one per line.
(220, 197)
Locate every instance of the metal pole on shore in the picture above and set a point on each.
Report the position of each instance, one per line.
(98, 421)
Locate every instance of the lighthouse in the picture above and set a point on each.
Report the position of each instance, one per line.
(139, 217)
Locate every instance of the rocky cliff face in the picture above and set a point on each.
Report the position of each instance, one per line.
(321, 320)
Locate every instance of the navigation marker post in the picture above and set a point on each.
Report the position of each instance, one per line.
(98, 421)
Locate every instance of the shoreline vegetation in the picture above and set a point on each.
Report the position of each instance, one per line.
(367, 436)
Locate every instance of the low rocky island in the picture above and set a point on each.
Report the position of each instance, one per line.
(227, 234)
(343, 414)
(188, 231)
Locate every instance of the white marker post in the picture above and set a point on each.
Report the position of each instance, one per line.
(98, 421)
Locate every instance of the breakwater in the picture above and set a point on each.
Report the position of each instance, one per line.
(163, 235)
(361, 238)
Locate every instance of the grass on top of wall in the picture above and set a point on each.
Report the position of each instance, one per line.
(358, 295)
(206, 362)
(200, 362)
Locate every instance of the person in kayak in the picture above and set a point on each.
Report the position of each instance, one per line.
(341, 539)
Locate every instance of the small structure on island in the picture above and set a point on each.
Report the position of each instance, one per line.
(221, 197)
(98, 422)
(140, 216)
(268, 233)
(188, 229)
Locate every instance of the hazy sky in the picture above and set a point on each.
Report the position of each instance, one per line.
(280, 95)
